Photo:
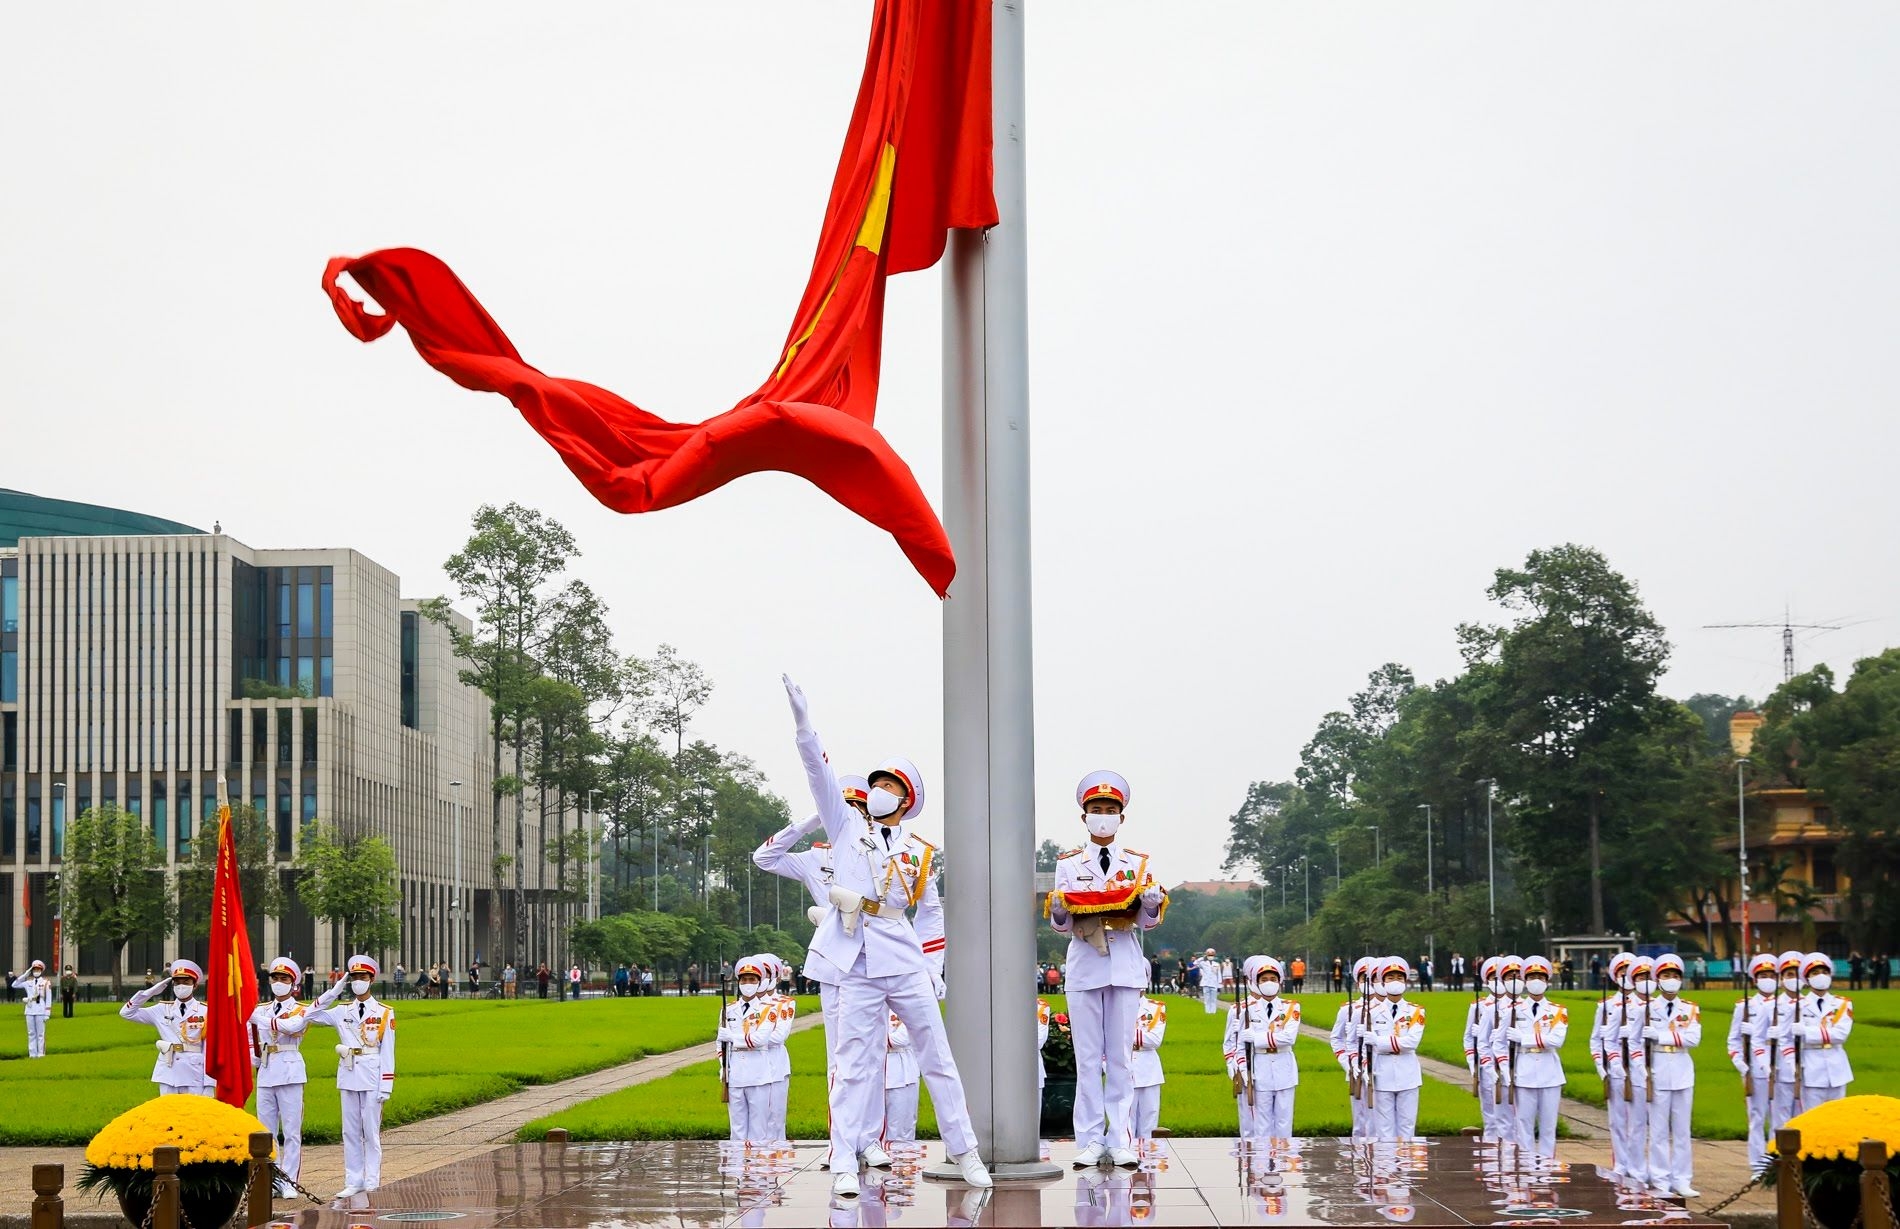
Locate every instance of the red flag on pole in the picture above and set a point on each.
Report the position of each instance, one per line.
(26, 901)
(231, 975)
(916, 161)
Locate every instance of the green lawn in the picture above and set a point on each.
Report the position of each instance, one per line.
(1198, 1100)
(448, 1055)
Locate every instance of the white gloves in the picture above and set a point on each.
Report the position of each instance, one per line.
(815, 914)
(724, 1035)
(1471, 1064)
(801, 707)
(1151, 896)
(382, 1098)
(1653, 1032)
(937, 985)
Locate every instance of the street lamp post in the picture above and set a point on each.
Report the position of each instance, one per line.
(1490, 852)
(456, 905)
(1377, 860)
(1431, 936)
(59, 894)
(1741, 847)
(1335, 845)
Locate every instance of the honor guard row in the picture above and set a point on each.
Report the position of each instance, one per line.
(1375, 1038)
(755, 1068)
(1788, 1042)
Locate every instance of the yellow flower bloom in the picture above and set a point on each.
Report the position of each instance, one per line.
(1833, 1130)
(202, 1128)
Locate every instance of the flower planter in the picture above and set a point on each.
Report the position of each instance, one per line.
(201, 1205)
(1058, 1107)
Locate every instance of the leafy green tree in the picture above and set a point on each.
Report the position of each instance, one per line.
(113, 883)
(1046, 855)
(254, 839)
(350, 882)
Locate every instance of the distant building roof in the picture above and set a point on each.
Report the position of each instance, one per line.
(1215, 887)
(23, 515)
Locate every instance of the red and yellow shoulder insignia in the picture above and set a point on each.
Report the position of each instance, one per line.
(821, 844)
(1068, 853)
(1134, 853)
(921, 841)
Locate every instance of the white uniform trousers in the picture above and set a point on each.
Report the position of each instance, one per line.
(190, 1090)
(1628, 1149)
(1670, 1161)
(36, 1036)
(1210, 999)
(1811, 1094)
(362, 1139)
(1757, 1103)
(1103, 1024)
(777, 1099)
(1269, 1117)
(749, 1114)
(280, 1109)
(1785, 1104)
(1147, 1111)
(1537, 1119)
(900, 1113)
(1487, 1104)
(1363, 1117)
(1397, 1114)
(857, 1092)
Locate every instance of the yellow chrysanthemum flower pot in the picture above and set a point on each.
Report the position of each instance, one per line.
(214, 1151)
(1831, 1135)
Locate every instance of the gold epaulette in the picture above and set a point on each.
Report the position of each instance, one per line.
(1069, 854)
(1133, 853)
(921, 841)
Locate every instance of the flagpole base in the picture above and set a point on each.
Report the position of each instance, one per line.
(1013, 1171)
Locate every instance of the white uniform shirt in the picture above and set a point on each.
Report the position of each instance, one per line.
(1610, 1035)
(1396, 1031)
(1478, 1033)
(1042, 1039)
(811, 869)
(898, 872)
(1826, 1020)
(1272, 1025)
(1669, 1060)
(181, 1034)
(277, 1030)
(1345, 1035)
(755, 1028)
(39, 993)
(366, 1039)
(1151, 1026)
(1748, 1042)
(1080, 870)
(900, 1061)
(1538, 1027)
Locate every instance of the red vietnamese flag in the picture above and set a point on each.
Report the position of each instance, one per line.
(230, 975)
(916, 161)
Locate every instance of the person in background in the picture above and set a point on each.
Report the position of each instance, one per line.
(1425, 971)
(541, 978)
(620, 981)
(475, 979)
(1339, 975)
(39, 1006)
(1207, 970)
(1298, 972)
(646, 981)
(68, 992)
(509, 980)
(1699, 972)
(402, 975)
(1569, 971)
(574, 983)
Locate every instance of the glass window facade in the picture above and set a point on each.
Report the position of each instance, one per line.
(411, 635)
(9, 676)
(183, 813)
(9, 603)
(32, 821)
(282, 626)
(9, 823)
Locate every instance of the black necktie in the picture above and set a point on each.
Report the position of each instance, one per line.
(359, 1011)
(887, 837)
(1105, 859)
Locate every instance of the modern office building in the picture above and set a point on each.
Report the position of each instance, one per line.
(138, 668)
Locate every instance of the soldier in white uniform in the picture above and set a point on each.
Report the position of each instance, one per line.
(1151, 1028)
(1670, 1029)
(1528, 1047)
(1347, 1022)
(1106, 971)
(180, 1021)
(1826, 1020)
(779, 1092)
(276, 1035)
(880, 870)
(1616, 1062)
(1258, 1047)
(365, 1070)
(1209, 966)
(751, 1029)
(1785, 1100)
(1397, 1028)
(1043, 1016)
(1478, 1022)
(900, 1085)
(39, 1006)
(1750, 1049)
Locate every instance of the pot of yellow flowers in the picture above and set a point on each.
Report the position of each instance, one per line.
(1831, 1135)
(214, 1149)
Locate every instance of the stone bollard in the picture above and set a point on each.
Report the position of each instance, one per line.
(166, 1214)
(49, 1210)
(557, 1135)
(1788, 1180)
(263, 1181)
(1875, 1194)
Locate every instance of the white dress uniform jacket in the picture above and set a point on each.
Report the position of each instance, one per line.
(1273, 1025)
(181, 1038)
(366, 1040)
(1669, 1060)
(1081, 870)
(1539, 1028)
(1826, 1021)
(277, 1054)
(1397, 1028)
(755, 1029)
(1151, 1027)
(39, 993)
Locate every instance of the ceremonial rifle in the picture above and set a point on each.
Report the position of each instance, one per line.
(1477, 1014)
(1513, 1045)
(1603, 1018)
(725, 1076)
(1353, 1077)
(1774, 1045)
(1649, 1069)
(1367, 1084)
(1243, 1001)
(1748, 1046)
(1622, 1037)
(1800, 1000)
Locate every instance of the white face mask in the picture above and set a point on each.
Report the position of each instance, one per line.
(748, 988)
(281, 989)
(1514, 985)
(1536, 985)
(1104, 826)
(1820, 981)
(1791, 984)
(1645, 985)
(1394, 989)
(1765, 984)
(883, 803)
(1269, 988)
(181, 992)
(1670, 984)
(360, 985)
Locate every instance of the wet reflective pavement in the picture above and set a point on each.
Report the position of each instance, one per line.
(1180, 1182)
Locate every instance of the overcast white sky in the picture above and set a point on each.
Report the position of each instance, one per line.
(1334, 310)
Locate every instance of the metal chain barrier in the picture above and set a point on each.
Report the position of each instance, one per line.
(297, 1186)
(1749, 1186)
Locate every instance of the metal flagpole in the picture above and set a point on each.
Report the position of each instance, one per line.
(988, 698)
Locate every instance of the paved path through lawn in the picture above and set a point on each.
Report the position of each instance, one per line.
(407, 1150)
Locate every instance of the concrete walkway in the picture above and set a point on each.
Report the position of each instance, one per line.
(408, 1150)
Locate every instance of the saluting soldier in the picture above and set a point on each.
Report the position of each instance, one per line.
(779, 1092)
(180, 1021)
(1826, 1020)
(277, 1029)
(1106, 971)
(365, 1069)
(1751, 1050)
(1670, 1029)
(1529, 1046)
(1258, 1047)
(880, 871)
(39, 1006)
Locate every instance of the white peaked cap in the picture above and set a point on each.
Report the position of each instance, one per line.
(1102, 784)
(905, 771)
(287, 965)
(189, 967)
(365, 964)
